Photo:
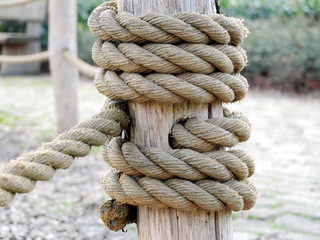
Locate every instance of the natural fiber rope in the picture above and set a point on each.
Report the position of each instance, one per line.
(25, 59)
(174, 59)
(168, 58)
(184, 163)
(21, 174)
(81, 65)
(184, 63)
(168, 88)
(109, 25)
(181, 194)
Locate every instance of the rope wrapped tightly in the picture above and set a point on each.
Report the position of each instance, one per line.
(167, 88)
(183, 163)
(20, 175)
(167, 59)
(174, 59)
(180, 194)
(109, 25)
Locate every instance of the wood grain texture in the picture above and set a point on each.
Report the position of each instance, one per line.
(63, 36)
(151, 126)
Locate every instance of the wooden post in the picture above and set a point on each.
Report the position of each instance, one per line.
(63, 36)
(151, 125)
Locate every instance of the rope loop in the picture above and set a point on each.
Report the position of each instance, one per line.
(109, 25)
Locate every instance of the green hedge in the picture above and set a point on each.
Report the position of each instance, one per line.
(283, 47)
(256, 9)
(285, 51)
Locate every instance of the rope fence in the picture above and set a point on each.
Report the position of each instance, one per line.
(15, 3)
(81, 65)
(25, 59)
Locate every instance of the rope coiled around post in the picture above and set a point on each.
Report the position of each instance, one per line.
(167, 59)
(109, 25)
(180, 194)
(174, 59)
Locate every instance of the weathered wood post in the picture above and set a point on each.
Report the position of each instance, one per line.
(151, 125)
(63, 36)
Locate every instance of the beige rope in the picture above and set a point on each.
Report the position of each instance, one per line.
(184, 163)
(168, 58)
(180, 194)
(109, 25)
(168, 88)
(182, 63)
(21, 174)
(14, 3)
(81, 65)
(25, 59)
(191, 57)
(204, 136)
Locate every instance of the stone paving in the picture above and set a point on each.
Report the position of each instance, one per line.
(285, 143)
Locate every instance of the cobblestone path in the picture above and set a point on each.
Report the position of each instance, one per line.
(285, 143)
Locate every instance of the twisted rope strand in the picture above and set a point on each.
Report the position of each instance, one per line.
(105, 23)
(167, 58)
(184, 163)
(180, 194)
(167, 88)
(20, 175)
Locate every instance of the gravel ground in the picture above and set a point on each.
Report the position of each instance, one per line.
(285, 143)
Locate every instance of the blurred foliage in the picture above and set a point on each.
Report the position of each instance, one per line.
(256, 9)
(285, 51)
(283, 47)
(85, 37)
(11, 26)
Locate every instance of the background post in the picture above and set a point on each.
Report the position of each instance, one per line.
(63, 36)
(151, 126)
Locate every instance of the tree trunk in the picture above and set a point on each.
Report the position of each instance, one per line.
(151, 126)
(63, 36)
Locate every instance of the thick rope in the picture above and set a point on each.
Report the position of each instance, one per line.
(182, 57)
(168, 58)
(20, 175)
(204, 136)
(179, 193)
(184, 163)
(169, 88)
(109, 25)
(174, 59)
